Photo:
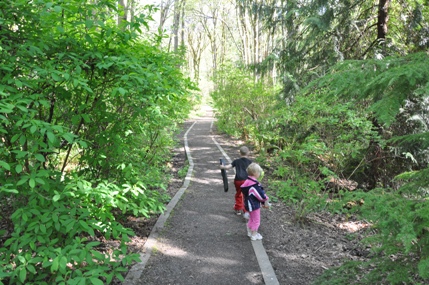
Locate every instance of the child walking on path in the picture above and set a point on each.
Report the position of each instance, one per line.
(240, 165)
(254, 197)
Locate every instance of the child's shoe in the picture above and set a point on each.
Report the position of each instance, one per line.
(246, 215)
(256, 236)
(249, 232)
(237, 212)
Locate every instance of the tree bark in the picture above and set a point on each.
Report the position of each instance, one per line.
(163, 13)
(176, 23)
(383, 18)
(122, 12)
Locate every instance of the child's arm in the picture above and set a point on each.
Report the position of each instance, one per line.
(264, 202)
(258, 193)
(228, 166)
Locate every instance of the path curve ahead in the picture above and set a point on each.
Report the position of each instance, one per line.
(199, 239)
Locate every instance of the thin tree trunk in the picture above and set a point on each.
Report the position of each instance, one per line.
(182, 42)
(383, 18)
(176, 23)
(122, 12)
(132, 9)
(164, 9)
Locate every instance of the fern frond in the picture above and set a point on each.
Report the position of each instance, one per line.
(422, 139)
(388, 83)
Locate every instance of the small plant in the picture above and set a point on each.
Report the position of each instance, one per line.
(183, 171)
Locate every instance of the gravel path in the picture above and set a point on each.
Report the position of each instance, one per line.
(199, 240)
(202, 241)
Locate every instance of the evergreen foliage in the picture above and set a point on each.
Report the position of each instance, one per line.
(365, 121)
(88, 111)
(353, 108)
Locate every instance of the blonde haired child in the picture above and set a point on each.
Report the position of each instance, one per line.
(254, 198)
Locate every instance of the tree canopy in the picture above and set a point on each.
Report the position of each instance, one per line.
(88, 112)
(93, 92)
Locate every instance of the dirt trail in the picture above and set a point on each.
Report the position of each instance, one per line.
(204, 242)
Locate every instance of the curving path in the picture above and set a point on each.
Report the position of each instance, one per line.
(199, 240)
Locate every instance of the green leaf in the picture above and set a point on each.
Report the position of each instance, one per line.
(22, 275)
(63, 264)
(9, 190)
(92, 244)
(40, 157)
(55, 264)
(70, 225)
(96, 281)
(89, 24)
(35, 260)
(69, 137)
(84, 224)
(22, 108)
(20, 154)
(40, 238)
(32, 183)
(56, 77)
(83, 144)
(86, 118)
(33, 129)
(122, 91)
(23, 180)
(6, 108)
(60, 29)
(56, 197)
(4, 164)
(88, 39)
(18, 168)
(31, 268)
(18, 83)
(15, 138)
(21, 258)
(51, 137)
(22, 140)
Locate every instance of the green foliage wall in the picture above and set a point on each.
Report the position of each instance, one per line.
(243, 103)
(88, 111)
(353, 106)
(395, 91)
(365, 121)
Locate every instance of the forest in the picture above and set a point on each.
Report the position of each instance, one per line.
(332, 95)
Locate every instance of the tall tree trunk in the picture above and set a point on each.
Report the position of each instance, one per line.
(163, 13)
(383, 17)
(132, 10)
(182, 34)
(176, 23)
(242, 27)
(122, 12)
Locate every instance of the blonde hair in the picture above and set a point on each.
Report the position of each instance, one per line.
(244, 150)
(253, 169)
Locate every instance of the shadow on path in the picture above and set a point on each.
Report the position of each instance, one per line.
(202, 241)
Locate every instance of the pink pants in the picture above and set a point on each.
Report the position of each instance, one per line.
(255, 220)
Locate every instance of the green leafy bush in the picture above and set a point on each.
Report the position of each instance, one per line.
(88, 112)
(365, 121)
(243, 104)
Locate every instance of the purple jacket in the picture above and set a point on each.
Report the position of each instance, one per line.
(254, 194)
